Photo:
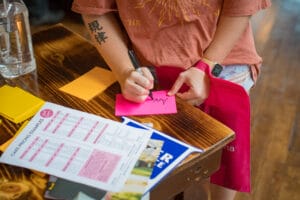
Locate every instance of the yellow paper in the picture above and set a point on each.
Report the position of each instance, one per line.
(18, 105)
(90, 84)
(7, 143)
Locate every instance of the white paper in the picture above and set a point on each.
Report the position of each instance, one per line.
(78, 146)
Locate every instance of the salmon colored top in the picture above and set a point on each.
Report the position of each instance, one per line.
(176, 33)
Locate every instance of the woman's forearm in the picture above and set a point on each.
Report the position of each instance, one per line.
(227, 34)
(111, 43)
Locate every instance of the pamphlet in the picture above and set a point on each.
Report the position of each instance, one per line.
(78, 146)
(172, 153)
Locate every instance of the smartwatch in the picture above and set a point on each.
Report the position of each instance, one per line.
(216, 67)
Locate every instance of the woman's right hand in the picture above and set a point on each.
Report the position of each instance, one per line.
(136, 85)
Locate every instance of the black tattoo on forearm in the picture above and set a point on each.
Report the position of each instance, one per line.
(97, 30)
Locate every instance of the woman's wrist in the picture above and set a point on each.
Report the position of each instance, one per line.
(209, 62)
(203, 66)
(215, 69)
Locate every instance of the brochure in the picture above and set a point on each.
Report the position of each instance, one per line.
(172, 153)
(78, 146)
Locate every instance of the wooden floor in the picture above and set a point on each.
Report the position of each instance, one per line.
(276, 105)
(275, 102)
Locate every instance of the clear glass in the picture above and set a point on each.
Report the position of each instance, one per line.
(16, 51)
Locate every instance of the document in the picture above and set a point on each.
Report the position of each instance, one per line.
(78, 146)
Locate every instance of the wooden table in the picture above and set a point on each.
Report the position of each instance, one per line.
(63, 56)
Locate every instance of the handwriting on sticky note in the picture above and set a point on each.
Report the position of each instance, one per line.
(161, 104)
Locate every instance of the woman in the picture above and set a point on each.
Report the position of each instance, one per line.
(188, 42)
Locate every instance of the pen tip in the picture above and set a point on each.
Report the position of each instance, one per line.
(151, 95)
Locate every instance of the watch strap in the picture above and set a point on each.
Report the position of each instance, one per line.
(203, 66)
(216, 67)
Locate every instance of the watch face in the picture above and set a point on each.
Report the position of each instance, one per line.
(216, 71)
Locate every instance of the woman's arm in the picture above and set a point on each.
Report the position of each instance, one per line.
(228, 32)
(111, 42)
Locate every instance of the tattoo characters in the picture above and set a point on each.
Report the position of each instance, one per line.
(97, 31)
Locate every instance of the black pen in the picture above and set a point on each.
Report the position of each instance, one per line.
(137, 66)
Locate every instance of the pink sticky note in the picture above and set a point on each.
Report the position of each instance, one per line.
(161, 104)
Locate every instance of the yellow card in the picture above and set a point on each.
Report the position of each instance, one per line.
(7, 143)
(90, 84)
(18, 105)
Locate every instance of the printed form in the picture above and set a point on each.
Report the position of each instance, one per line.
(78, 146)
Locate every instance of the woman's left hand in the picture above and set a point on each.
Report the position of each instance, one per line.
(198, 83)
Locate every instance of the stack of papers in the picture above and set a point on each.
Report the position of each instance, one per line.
(18, 105)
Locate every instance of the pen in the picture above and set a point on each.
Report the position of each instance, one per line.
(137, 66)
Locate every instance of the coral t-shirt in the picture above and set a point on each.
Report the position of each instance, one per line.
(176, 33)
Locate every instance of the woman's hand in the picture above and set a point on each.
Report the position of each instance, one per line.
(136, 85)
(198, 83)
